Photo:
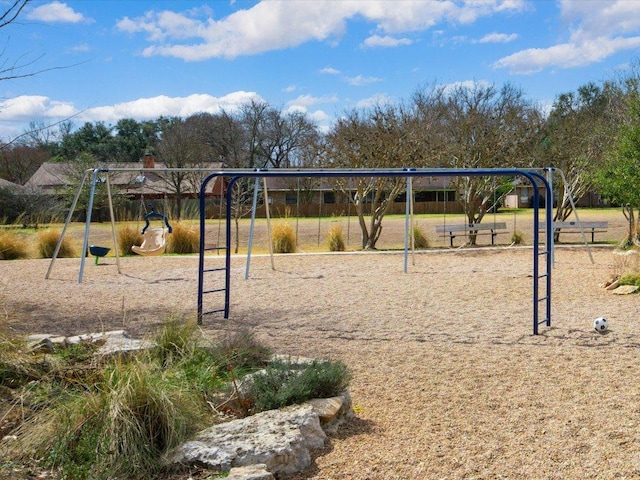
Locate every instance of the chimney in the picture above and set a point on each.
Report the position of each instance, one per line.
(148, 160)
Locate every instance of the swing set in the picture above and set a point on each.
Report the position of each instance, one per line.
(541, 281)
(542, 257)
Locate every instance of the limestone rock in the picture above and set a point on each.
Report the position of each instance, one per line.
(626, 289)
(280, 439)
(250, 472)
(613, 285)
(123, 344)
(333, 411)
(97, 337)
(42, 345)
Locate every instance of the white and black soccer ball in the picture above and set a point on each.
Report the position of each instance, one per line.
(600, 324)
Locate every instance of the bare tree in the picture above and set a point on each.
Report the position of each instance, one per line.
(180, 147)
(479, 127)
(376, 139)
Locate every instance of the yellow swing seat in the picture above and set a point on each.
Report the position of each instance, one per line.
(154, 242)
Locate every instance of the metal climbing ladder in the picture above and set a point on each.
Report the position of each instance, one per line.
(213, 279)
(543, 258)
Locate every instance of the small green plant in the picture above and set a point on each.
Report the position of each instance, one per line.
(47, 241)
(12, 246)
(184, 239)
(283, 238)
(335, 239)
(630, 279)
(420, 240)
(128, 236)
(285, 383)
(517, 238)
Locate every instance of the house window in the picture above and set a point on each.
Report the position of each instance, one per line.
(291, 199)
(329, 197)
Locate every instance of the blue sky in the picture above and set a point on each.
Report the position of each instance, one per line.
(142, 59)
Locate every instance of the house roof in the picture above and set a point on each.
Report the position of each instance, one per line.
(136, 180)
(7, 184)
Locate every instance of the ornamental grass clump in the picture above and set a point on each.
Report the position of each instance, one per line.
(517, 238)
(283, 238)
(241, 350)
(47, 241)
(420, 240)
(12, 246)
(184, 239)
(128, 236)
(121, 427)
(335, 239)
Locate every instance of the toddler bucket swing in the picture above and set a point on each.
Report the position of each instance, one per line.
(154, 242)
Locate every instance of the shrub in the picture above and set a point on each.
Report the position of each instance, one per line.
(283, 238)
(517, 238)
(12, 246)
(47, 241)
(241, 350)
(420, 241)
(284, 383)
(630, 279)
(335, 239)
(184, 239)
(128, 236)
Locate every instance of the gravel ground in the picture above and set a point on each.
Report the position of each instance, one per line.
(449, 381)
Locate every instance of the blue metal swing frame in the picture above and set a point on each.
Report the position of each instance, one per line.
(535, 177)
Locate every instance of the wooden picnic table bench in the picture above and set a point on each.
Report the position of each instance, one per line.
(578, 227)
(467, 229)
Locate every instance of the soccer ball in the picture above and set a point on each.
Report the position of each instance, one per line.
(600, 324)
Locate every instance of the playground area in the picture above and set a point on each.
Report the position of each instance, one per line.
(448, 381)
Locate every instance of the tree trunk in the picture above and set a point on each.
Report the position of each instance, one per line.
(632, 232)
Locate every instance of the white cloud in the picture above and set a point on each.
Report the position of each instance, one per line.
(27, 108)
(154, 107)
(597, 29)
(280, 24)
(330, 71)
(566, 55)
(360, 81)
(309, 100)
(83, 47)
(498, 38)
(56, 12)
(375, 100)
(386, 41)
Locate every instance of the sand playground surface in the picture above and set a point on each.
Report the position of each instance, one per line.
(448, 380)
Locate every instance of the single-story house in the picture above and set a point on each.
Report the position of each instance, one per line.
(522, 196)
(144, 180)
